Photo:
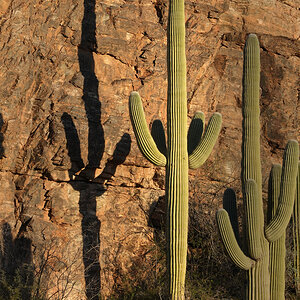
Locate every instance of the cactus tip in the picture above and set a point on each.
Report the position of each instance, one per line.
(276, 167)
(199, 113)
(134, 93)
(134, 97)
(250, 182)
(252, 35)
(294, 142)
(252, 39)
(221, 212)
(218, 115)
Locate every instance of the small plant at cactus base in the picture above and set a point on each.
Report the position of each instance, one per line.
(180, 153)
(265, 250)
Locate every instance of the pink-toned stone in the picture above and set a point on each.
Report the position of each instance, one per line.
(42, 188)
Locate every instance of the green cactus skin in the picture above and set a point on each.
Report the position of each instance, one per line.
(258, 236)
(277, 248)
(296, 235)
(201, 153)
(232, 247)
(144, 139)
(176, 158)
(177, 163)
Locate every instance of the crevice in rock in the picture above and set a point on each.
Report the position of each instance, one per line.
(111, 17)
(105, 185)
(288, 4)
(114, 56)
(160, 10)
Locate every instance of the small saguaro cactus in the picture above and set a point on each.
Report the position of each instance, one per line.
(296, 235)
(256, 258)
(183, 150)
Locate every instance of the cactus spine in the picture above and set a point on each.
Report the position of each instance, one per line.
(177, 158)
(258, 236)
(296, 235)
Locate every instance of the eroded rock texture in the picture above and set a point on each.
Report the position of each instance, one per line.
(72, 178)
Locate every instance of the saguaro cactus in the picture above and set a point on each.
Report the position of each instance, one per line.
(181, 152)
(258, 236)
(296, 235)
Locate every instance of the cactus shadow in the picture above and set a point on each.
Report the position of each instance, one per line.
(89, 191)
(157, 214)
(16, 265)
(90, 224)
(82, 176)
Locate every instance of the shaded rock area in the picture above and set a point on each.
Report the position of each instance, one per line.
(73, 181)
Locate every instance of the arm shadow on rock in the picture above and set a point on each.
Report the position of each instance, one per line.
(90, 224)
(89, 191)
(16, 266)
(82, 177)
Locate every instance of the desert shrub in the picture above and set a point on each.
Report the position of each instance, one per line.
(210, 274)
(146, 278)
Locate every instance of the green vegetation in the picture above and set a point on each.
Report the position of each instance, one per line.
(259, 237)
(177, 159)
(16, 267)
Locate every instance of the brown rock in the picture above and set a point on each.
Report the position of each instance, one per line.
(72, 177)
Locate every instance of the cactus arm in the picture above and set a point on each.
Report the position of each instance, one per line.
(277, 248)
(251, 166)
(158, 134)
(278, 224)
(296, 235)
(273, 190)
(229, 204)
(142, 133)
(232, 247)
(207, 142)
(254, 223)
(195, 131)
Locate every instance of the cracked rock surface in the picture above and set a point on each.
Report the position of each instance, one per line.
(71, 173)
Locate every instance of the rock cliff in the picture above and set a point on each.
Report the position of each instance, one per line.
(73, 182)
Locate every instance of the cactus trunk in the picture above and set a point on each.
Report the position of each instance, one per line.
(258, 283)
(177, 220)
(177, 155)
(258, 279)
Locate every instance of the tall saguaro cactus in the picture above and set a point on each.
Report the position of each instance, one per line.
(181, 152)
(258, 236)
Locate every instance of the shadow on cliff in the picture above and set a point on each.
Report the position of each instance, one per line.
(84, 175)
(16, 266)
(2, 128)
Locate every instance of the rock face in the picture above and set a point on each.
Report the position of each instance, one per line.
(73, 181)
